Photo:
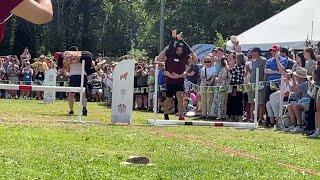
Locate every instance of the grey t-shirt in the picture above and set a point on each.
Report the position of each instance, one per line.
(142, 81)
(309, 64)
(303, 88)
(258, 63)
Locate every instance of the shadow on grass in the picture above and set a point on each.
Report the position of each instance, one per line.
(59, 115)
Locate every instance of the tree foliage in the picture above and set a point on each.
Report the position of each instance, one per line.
(114, 27)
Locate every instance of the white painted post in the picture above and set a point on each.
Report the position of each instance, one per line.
(256, 99)
(155, 96)
(282, 89)
(81, 92)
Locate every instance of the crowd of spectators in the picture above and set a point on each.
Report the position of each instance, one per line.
(220, 68)
(31, 71)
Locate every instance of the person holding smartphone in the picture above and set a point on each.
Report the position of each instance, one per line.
(35, 11)
(275, 66)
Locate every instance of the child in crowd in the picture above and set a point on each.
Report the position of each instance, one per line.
(27, 74)
(97, 89)
(151, 81)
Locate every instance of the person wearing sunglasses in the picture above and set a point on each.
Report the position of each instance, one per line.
(35, 11)
(207, 75)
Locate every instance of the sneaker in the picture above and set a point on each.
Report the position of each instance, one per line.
(288, 129)
(181, 118)
(297, 130)
(84, 112)
(277, 128)
(315, 135)
(71, 112)
(166, 117)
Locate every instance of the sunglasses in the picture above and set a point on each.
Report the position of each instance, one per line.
(207, 61)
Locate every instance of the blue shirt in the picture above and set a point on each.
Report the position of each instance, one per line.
(218, 67)
(272, 64)
(161, 78)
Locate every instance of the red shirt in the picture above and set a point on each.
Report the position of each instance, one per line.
(6, 6)
(176, 64)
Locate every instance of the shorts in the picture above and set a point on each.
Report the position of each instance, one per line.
(304, 101)
(27, 83)
(75, 81)
(96, 91)
(38, 82)
(261, 96)
(143, 91)
(172, 89)
(13, 80)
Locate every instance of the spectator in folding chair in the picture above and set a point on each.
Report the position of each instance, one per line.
(273, 105)
(300, 85)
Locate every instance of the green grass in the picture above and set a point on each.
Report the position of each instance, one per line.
(34, 145)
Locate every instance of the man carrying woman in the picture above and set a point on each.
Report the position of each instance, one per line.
(72, 61)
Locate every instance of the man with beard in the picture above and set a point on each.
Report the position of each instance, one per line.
(176, 57)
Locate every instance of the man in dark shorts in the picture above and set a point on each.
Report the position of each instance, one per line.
(176, 57)
(75, 70)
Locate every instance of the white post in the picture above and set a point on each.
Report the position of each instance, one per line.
(281, 97)
(81, 92)
(256, 99)
(155, 96)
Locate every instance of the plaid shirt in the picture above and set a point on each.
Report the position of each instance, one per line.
(237, 75)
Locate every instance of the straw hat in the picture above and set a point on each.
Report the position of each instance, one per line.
(234, 39)
(301, 72)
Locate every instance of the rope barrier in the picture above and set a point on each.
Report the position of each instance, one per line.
(240, 87)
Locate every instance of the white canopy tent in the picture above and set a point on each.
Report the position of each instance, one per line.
(291, 28)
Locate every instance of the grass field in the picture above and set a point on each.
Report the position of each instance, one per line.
(34, 145)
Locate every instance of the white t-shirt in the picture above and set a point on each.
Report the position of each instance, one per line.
(208, 73)
(75, 69)
(248, 77)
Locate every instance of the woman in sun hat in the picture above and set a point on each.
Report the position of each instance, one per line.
(35, 11)
(300, 86)
(236, 44)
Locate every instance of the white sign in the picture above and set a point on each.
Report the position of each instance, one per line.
(50, 79)
(202, 50)
(122, 92)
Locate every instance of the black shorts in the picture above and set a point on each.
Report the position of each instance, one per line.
(143, 91)
(172, 89)
(75, 81)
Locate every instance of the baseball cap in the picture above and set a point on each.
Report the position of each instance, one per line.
(180, 44)
(256, 49)
(275, 47)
